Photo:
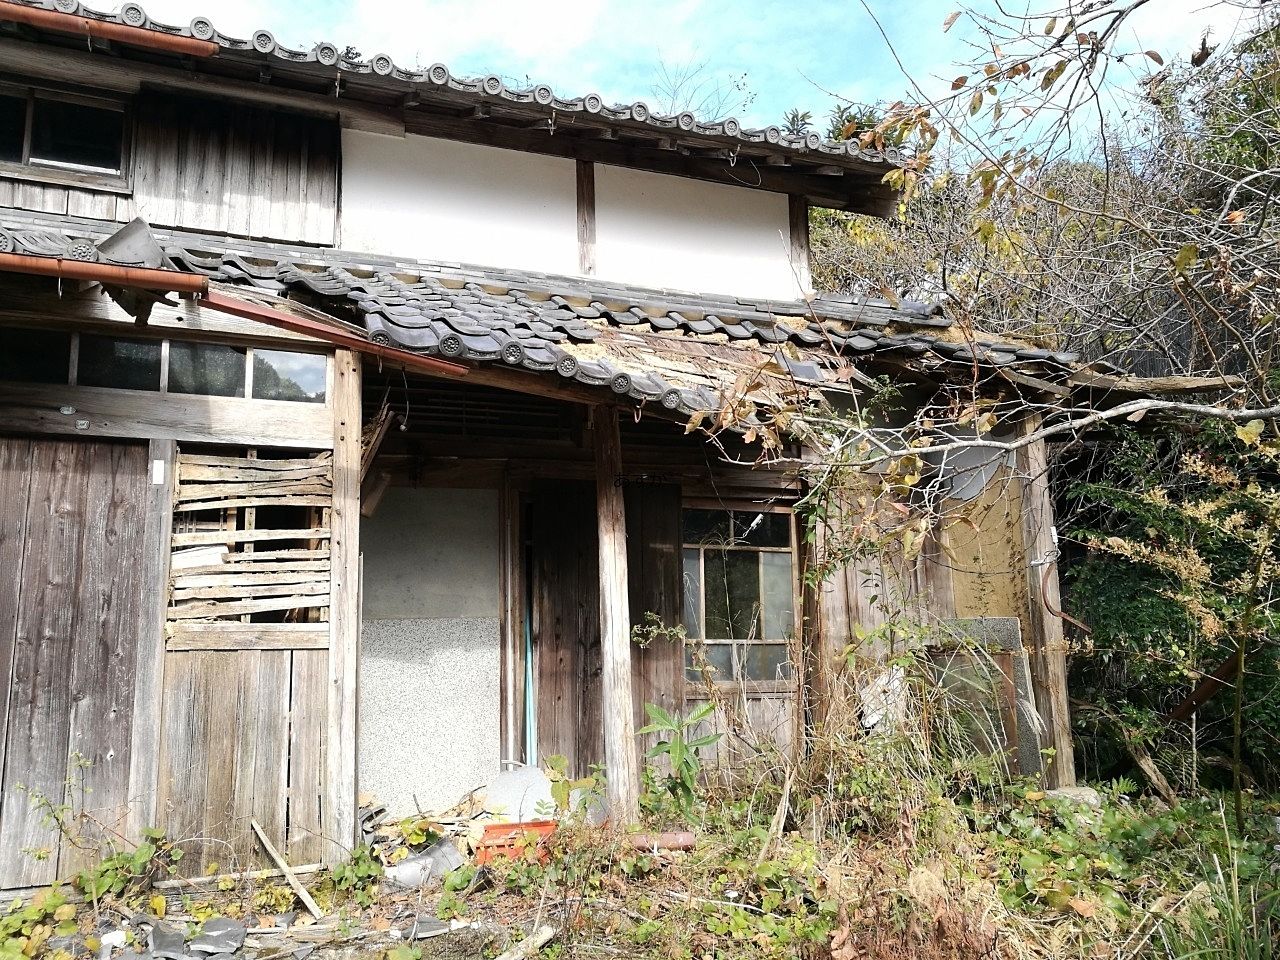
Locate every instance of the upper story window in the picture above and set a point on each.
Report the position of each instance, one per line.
(55, 131)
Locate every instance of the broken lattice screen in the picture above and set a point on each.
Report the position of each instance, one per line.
(251, 538)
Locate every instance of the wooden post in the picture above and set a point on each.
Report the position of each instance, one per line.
(1048, 646)
(615, 621)
(339, 811)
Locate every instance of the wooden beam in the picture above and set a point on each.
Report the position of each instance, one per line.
(339, 812)
(36, 61)
(133, 415)
(615, 621)
(1047, 646)
(586, 217)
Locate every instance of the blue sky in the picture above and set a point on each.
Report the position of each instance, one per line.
(793, 53)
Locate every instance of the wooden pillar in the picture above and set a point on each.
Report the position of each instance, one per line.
(615, 621)
(1048, 646)
(339, 810)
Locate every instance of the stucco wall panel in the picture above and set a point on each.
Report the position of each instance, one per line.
(436, 199)
(663, 231)
(430, 688)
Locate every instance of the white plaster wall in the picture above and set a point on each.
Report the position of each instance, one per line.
(430, 199)
(663, 231)
(430, 675)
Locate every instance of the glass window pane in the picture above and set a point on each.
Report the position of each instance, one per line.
(209, 369)
(13, 127)
(760, 529)
(692, 594)
(127, 364)
(766, 662)
(34, 356)
(707, 526)
(72, 134)
(284, 375)
(779, 591)
(732, 593)
(719, 658)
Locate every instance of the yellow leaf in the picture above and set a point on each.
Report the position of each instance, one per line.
(65, 912)
(1034, 795)
(158, 905)
(1186, 258)
(1251, 432)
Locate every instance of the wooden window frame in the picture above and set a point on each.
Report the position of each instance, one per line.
(165, 340)
(746, 686)
(69, 175)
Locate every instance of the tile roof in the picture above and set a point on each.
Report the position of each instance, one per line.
(326, 58)
(681, 350)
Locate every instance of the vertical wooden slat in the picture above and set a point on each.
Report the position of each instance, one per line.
(262, 751)
(157, 522)
(566, 623)
(15, 486)
(615, 621)
(1048, 648)
(586, 217)
(798, 217)
(108, 597)
(183, 760)
(40, 701)
(344, 607)
(305, 839)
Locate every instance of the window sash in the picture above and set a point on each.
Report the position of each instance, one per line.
(31, 94)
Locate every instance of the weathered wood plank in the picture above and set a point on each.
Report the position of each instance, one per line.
(197, 474)
(586, 197)
(183, 769)
(253, 463)
(261, 771)
(108, 601)
(190, 495)
(135, 415)
(260, 500)
(15, 487)
(566, 621)
(203, 538)
(144, 756)
(301, 558)
(238, 591)
(208, 609)
(249, 636)
(308, 711)
(246, 569)
(40, 701)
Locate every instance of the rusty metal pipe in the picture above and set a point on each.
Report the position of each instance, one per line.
(106, 30)
(216, 300)
(144, 278)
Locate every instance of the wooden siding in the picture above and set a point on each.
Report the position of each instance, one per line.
(244, 171)
(71, 530)
(212, 167)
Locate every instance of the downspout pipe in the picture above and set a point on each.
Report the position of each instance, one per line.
(192, 284)
(95, 29)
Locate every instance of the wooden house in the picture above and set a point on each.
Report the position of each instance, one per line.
(344, 434)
